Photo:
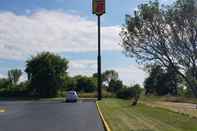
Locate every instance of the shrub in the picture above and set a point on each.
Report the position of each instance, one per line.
(132, 92)
(85, 84)
(125, 93)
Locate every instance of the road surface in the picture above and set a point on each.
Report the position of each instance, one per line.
(49, 116)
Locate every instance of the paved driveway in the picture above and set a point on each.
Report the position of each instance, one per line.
(49, 116)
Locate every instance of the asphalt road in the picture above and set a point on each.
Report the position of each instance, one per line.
(49, 116)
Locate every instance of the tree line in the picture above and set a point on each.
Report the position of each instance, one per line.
(48, 76)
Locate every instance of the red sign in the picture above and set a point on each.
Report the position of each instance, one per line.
(98, 7)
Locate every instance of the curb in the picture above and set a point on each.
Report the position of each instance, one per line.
(106, 126)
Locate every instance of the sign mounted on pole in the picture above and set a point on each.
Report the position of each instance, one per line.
(98, 7)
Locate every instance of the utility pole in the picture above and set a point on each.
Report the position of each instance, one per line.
(99, 9)
(99, 60)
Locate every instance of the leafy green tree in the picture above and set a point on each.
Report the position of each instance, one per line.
(70, 83)
(132, 92)
(14, 76)
(109, 75)
(86, 84)
(125, 93)
(152, 82)
(45, 73)
(164, 35)
(4, 84)
(115, 85)
(161, 81)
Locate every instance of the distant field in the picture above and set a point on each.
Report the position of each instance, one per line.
(123, 117)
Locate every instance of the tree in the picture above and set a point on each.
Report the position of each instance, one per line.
(4, 83)
(14, 76)
(132, 92)
(115, 85)
(86, 84)
(164, 35)
(45, 73)
(151, 83)
(125, 93)
(109, 75)
(161, 82)
(70, 83)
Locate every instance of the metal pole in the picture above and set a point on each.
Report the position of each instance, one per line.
(99, 60)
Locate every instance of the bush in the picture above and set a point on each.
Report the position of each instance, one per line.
(125, 93)
(85, 84)
(4, 84)
(105, 94)
(115, 85)
(132, 92)
(21, 90)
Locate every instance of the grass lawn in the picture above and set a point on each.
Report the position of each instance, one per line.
(121, 116)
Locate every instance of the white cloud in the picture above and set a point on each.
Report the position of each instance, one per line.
(168, 2)
(82, 67)
(23, 77)
(2, 76)
(56, 31)
(131, 74)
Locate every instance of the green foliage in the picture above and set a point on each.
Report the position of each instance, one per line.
(85, 84)
(129, 92)
(9, 87)
(110, 80)
(4, 84)
(161, 81)
(151, 83)
(109, 75)
(70, 83)
(45, 73)
(20, 90)
(164, 35)
(115, 85)
(125, 93)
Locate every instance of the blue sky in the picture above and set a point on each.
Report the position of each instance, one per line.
(67, 28)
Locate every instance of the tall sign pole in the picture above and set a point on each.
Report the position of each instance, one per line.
(99, 9)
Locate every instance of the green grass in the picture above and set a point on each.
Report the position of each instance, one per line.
(121, 116)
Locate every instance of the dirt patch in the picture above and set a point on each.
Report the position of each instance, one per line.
(184, 108)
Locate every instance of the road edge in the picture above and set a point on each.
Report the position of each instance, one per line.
(106, 126)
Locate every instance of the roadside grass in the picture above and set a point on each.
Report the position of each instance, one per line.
(121, 116)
